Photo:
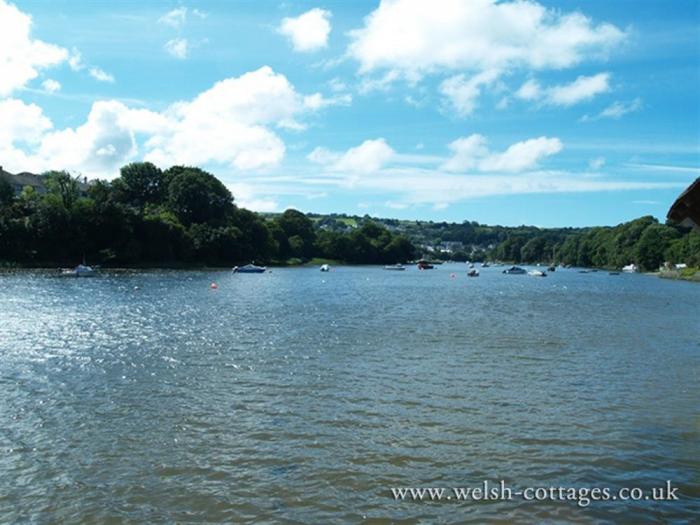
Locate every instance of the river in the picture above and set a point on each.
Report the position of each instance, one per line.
(297, 396)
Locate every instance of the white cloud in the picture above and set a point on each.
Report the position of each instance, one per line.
(462, 93)
(415, 37)
(21, 56)
(309, 31)
(247, 197)
(177, 47)
(75, 60)
(368, 157)
(318, 101)
(471, 153)
(616, 110)
(582, 89)
(175, 18)
(231, 125)
(20, 122)
(50, 85)
(530, 90)
(100, 75)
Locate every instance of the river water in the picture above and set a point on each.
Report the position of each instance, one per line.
(297, 396)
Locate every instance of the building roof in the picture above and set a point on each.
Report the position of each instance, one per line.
(686, 209)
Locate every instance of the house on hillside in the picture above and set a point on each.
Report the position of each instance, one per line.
(20, 181)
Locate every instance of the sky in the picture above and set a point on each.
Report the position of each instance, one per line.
(505, 112)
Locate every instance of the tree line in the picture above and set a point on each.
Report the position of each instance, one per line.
(644, 242)
(178, 216)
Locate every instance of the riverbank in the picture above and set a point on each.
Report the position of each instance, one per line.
(686, 274)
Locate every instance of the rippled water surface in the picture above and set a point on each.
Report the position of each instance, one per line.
(302, 397)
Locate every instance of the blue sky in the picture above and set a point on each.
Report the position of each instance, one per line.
(549, 113)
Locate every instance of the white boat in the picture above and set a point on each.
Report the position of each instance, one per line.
(325, 268)
(485, 264)
(398, 267)
(537, 273)
(82, 270)
(249, 268)
(630, 268)
(471, 265)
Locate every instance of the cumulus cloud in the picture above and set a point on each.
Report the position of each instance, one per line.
(417, 37)
(462, 93)
(101, 75)
(472, 153)
(309, 31)
(231, 124)
(477, 41)
(177, 47)
(50, 85)
(20, 122)
(582, 89)
(22, 57)
(368, 157)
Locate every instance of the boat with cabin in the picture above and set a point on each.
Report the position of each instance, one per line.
(515, 270)
(249, 268)
(425, 265)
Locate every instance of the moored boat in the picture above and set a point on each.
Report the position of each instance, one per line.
(537, 273)
(630, 268)
(515, 270)
(425, 265)
(249, 268)
(473, 273)
(82, 270)
(398, 267)
(325, 268)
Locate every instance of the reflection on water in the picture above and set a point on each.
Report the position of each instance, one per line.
(303, 397)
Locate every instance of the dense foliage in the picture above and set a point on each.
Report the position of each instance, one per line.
(642, 241)
(180, 216)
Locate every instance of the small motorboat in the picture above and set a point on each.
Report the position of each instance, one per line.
(471, 265)
(485, 264)
(473, 273)
(537, 273)
(398, 267)
(552, 269)
(425, 265)
(325, 268)
(82, 270)
(630, 268)
(515, 270)
(249, 268)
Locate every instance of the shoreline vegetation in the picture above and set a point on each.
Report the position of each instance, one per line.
(185, 218)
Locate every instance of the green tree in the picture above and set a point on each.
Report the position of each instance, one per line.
(60, 183)
(140, 184)
(7, 192)
(196, 196)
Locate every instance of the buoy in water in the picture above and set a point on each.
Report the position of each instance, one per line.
(213, 286)
(452, 276)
